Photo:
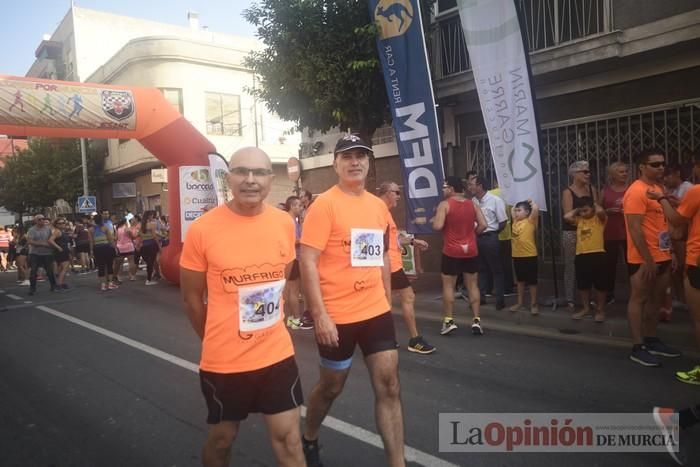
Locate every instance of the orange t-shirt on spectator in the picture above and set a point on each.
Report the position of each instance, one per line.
(654, 226)
(690, 205)
(244, 259)
(350, 231)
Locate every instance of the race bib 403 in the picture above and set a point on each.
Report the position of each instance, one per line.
(366, 247)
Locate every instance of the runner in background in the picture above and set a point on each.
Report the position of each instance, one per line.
(389, 193)
(125, 250)
(103, 246)
(149, 245)
(5, 239)
(292, 289)
(62, 257)
(82, 244)
(22, 255)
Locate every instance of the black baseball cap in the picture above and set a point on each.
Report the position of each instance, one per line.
(352, 141)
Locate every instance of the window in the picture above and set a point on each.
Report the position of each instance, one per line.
(443, 6)
(174, 96)
(223, 113)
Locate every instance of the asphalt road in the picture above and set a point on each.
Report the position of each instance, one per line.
(118, 386)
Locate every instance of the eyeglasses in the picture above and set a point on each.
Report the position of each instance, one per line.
(245, 171)
(656, 165)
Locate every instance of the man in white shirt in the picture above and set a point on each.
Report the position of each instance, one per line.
(494, 210)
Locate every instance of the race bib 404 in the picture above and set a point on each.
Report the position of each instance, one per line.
(259, 305)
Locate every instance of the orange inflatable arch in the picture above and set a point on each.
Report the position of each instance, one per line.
(62, 109)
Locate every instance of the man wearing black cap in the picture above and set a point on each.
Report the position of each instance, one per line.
(346, 269)
(456, 216)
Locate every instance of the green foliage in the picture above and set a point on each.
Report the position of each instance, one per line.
(48, 170)
(319, 66)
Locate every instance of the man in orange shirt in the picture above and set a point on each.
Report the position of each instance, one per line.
(688, 213)
(389, 193)
(247, 362)
(346, 269)
(648, 258)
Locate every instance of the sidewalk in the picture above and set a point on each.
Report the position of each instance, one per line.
(553, 324)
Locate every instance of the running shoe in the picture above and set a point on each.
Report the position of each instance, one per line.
(534, 310)
(153, 282)
(641, 355)
(65, 286)
(476, 327)
(418, 345)
(690, 376)
(293, 323)
(579, 315)
(667, 421)
(516, 308)
(448, 325)
(610, 300)
(31, 292)
(658, 348)
(117, 281)
(306, 322)
(311, 453)
(500, 305)
(103, 288)
(25, 283)
(510, 293)
(112, 286)
(599, 317)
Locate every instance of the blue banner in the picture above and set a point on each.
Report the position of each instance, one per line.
(404, 60)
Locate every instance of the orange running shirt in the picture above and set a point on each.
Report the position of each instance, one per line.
(690, 209)
(654, 226)
(245, 260)
(351, 293)
(394, 246)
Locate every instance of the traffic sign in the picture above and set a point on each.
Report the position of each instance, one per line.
(87, 204)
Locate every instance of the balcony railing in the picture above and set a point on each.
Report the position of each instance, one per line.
(548, 23)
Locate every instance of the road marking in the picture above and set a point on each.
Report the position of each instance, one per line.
(360, 434)
(14, 297)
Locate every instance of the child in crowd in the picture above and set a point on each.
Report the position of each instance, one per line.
(524, 215)
(589, 220)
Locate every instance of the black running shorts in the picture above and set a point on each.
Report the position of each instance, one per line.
(270, 390)
(373, 335)
(526, 269)
(399, 281)
(693, 276)
(456, 266)
(660, 268)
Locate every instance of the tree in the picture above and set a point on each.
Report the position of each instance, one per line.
(319, 66)
(47, 170)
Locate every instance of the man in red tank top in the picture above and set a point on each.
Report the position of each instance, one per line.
(460, 221)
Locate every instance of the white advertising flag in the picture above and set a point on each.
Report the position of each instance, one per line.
(196, 194)
(497, 56)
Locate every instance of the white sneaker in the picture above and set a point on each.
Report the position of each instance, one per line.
(151, 282)
(25, 283)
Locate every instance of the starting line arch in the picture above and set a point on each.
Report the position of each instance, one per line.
(62, 109)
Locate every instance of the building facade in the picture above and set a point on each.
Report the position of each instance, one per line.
(201, 73)
(611, 77)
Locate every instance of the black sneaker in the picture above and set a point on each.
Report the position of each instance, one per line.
(418, 345)
(306, 323)
(476, 327)
(641, 355)
(31, 292)
(311, 453)
(500, 305)
(656, 347)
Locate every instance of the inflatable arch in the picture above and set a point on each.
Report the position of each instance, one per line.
(62, 109)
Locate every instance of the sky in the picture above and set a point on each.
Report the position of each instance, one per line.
(24, 22)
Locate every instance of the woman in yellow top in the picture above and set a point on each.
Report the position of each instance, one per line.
(589, 219)
(525, 215)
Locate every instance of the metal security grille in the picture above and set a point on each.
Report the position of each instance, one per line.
(600, 140)
(548, 23)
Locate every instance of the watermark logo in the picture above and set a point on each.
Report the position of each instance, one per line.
(556, 432)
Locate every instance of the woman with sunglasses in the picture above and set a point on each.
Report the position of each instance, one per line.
(62, 256)
(571, 198)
